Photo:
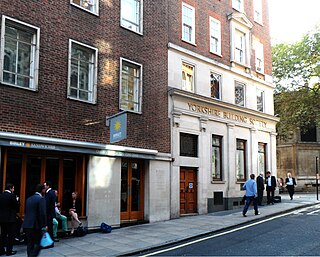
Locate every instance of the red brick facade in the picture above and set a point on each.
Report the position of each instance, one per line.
(219, 10)
(47, 112)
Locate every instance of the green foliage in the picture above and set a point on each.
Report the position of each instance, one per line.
(296, 73)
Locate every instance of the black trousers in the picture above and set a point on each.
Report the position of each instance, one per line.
(270, 195)
(8, 230)
(50, 226)
(290, 189)
(260, 196)
(33, 241)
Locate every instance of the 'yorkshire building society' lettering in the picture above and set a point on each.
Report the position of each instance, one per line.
(225, 115)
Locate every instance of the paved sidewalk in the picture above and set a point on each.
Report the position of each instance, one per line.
(128, 240)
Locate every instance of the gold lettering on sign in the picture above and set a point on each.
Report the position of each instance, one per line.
(226, 115)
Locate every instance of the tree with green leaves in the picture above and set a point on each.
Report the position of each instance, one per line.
(296, 73)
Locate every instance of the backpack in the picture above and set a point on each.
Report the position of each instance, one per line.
(81, 231)
(105, 228)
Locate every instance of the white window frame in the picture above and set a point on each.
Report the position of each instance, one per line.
(259, 57)
(91, 6)
(240, 25)
(238, 84)
(186, 24)
(215, 36)
(240, 47)
(257, 4)
(137, 26)
(138, 95)
(213, 75)
(34, 55)
(184, 81)
(238, 5)
(261, 94)
(92, 84)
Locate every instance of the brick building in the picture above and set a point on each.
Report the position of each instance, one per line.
(65, 66)
(192, 77)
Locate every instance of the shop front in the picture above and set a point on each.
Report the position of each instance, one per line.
(117, 185)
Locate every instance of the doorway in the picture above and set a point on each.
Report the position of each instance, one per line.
(188, 190)
(25, 169)
(132, 190)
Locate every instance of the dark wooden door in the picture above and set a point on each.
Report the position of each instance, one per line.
(188, 190)
(132, 191)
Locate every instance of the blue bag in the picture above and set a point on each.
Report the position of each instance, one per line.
(105, 228)
(46, 241)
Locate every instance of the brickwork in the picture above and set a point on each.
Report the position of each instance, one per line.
(48, 112)
(218, 9)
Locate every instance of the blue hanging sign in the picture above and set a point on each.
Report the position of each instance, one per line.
(118, 128)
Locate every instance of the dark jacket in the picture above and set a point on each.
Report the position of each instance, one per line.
(78, 206)
(293, 180)
(51, 204)
(273, 183)
(8, 207)
(35, 215)
(260, 184)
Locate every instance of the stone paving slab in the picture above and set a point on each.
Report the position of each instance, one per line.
(124, 241)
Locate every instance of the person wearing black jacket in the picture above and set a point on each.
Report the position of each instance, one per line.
(50, 197)
(260, 188)
(35, 220)
(271, 185)
(75, 210)
(290, 183)
(8, 206)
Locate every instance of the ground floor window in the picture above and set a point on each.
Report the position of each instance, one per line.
(216, 157)
(241, 160)
(26, 169)
(262, 158)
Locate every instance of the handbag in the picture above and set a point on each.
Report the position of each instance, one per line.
(105, 228)
(46, 241)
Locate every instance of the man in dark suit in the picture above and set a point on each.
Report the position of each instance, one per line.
(271, 186)
(35, 220)
(50, 197)
(8, 206)
(260, 188)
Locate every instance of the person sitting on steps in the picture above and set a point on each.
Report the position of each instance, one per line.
(74, 210)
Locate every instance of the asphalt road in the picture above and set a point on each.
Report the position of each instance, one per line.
(293, 234)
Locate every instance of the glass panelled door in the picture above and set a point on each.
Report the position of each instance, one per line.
(132, 193)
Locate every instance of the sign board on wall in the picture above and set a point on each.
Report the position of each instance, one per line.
(118, 128)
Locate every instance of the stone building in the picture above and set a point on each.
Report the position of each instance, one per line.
(297, 154)
(189, 80)
(220, 102)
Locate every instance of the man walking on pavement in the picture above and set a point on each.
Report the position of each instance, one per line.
(8, 205)
(260, 188)
(251, 192)
(35, 221)
(271, 186)
(50, 197)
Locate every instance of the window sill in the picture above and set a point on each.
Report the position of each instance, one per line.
(218, 182)
(84, 9)
(216, 54)
(131, 30)
(84, 101)
(16, 86)
(188, 42)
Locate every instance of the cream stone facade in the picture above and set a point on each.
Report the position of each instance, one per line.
(200, 115)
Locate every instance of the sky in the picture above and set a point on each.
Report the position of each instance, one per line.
(291, 19)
